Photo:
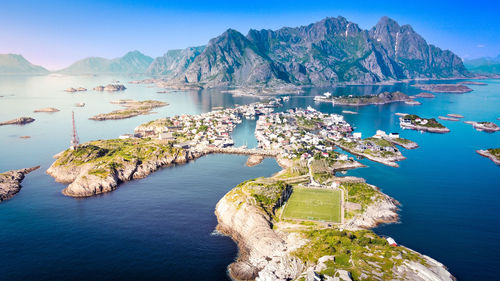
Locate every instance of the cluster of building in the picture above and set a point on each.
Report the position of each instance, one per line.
(211, 129)
(284, 131)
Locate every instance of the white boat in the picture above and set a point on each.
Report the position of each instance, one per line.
(327, 94)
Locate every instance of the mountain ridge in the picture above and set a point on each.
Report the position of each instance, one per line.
(132, 62)
(330, 51)
(14, 64)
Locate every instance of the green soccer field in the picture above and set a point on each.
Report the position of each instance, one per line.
(313, 204)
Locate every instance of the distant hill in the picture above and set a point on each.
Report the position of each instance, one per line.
(485, 65)
(17, 64)
(333, 50)
(132, 62)
(174, 62)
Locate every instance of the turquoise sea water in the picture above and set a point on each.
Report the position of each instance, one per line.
(161, 227)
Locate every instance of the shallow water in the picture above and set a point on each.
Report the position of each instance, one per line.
(160, 227)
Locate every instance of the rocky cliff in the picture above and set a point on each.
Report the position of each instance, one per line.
(271, 249)
(174, 62)
(10, 182)
(333, 50)
(100, 166)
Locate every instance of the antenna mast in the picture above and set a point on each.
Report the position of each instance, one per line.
(74, 139)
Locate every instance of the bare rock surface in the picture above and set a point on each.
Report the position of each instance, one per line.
(18, 121)
(10, 182)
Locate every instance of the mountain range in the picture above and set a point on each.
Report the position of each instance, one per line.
(17, 64)
(330, 51)
(485, 65)
(131, 62)
(333, 50)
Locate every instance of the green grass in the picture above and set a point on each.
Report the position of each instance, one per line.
(313, 204)
(495, 152)
(350, 249)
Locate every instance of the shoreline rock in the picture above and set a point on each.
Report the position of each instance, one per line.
(423, 95)
(10, 182)
(46, 109)
(18, 121)
(82, 183)
(448, 118)
(487, 154)
(110, 88)
(254, 160)
(132, 108)
(488, 127)
(444, 88)
(454, 115)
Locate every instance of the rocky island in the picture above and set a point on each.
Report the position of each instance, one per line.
(423, 95)
(489, 127)
(10, 182)
(493, 154)
(444, 88)
(72, 90)
(46, 109)
(18, 121)
(382, 98)
(414, 122)
(110, 88)
(132, 108)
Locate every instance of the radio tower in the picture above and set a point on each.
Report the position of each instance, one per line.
(74, 139)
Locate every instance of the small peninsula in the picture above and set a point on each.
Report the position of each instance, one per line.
(132, 108)
(382, 98)
(18, 121)
(10, 182)
(444, 88)
(284, 230)
(414, 122)
(492, 153)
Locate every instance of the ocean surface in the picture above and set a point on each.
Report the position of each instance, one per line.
(162, 227)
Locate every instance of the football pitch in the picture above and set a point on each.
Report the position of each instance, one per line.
(314, 204)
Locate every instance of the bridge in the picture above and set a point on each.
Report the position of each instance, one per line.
(242, 151)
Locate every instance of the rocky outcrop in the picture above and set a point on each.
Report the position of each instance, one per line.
(384, 210)
(444, 88)
(46, 109)
(18, 121)
(10, 182)
(264, 255)
(489, 127)
(132, 108)
(490, 155)
(83, 182)
(110, 88)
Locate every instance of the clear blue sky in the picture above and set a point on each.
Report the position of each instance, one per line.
(56, 33)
